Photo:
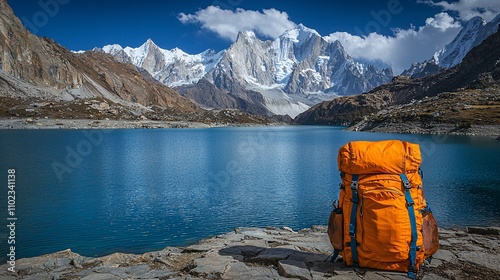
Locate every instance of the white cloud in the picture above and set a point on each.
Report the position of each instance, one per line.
(227, 23)
(405, 46)
(467, 9)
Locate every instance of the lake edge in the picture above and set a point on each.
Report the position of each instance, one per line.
(77, 124)
(200, 259)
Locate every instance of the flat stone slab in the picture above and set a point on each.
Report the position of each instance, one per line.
(435, 263)
(118, 258)
(444, 255)
(242, 271)
(98, 276)
(273, 255)
(347, 276)
(307, 257)
(433, 277)
(372, 275)
(294, 269)
(482, 259)
(263, 253)
(239, 270)
(198, 248)
(391, 275)
(211, 265)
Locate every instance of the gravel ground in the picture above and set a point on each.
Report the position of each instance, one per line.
(417, 128)
(29, 123)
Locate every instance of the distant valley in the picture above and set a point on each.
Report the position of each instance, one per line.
(300, 75)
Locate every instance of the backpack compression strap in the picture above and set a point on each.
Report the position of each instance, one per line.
(352, 224)
(413, 223)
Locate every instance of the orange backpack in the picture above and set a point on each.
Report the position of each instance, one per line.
(382, 219)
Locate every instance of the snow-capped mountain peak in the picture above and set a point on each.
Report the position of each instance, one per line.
(246, 35)
(475, 31)
(298, 64)
(172, 67)
(299, 35)
(148, 45)
(454, 52)
(112, 49)
(283, 76)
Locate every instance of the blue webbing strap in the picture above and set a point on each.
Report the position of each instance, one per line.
(352, 224)
(413, 223)
(333, 257)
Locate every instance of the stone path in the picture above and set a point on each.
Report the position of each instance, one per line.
(265, 253)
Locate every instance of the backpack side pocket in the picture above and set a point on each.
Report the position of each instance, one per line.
(430, 233)
(335, 229)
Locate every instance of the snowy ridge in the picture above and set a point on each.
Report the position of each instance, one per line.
(112, 49)
(475, 31)
(285, 71)
(189, 69)
(296, 64)
(295, 57)
(453, 53)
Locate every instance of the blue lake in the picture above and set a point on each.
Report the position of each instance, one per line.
(98, 192)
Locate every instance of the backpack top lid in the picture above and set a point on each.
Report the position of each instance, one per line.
(387, 157)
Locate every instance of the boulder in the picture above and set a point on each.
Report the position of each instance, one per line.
(484, 230)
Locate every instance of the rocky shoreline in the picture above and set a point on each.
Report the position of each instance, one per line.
(266, 253)
(401, 128)
(418, 128)
(49, 123)
(405, 128)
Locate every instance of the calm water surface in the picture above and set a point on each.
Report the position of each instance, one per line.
(142, 190)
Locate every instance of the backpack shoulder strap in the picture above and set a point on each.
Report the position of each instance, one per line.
(352, 223)
(413, 222)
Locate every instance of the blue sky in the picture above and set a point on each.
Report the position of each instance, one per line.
(368, 29)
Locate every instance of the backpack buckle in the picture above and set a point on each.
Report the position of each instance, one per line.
(354, 185)
(407, 184)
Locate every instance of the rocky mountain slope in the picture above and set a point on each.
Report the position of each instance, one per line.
(465, 95)
(284, 76)
(472, 34)
(34, 68)
(39, 78)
